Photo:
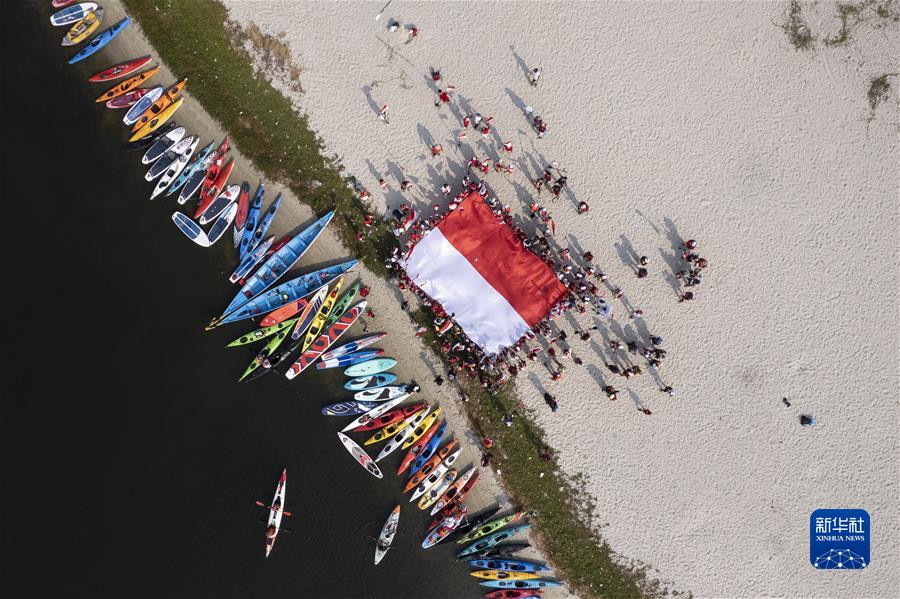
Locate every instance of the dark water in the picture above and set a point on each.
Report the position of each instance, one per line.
(131, 458)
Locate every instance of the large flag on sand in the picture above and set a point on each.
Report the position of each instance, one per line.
(474, 266)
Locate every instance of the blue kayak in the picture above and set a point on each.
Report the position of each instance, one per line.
(349, 408)
(251, 222)
(286, 293)
(428, 450)
(370, 382)
(509, 565)
(279, 263)
(350, 359)
(190, 169)
(100, 40)
(492, 540)
(521, 584)
(262, 227)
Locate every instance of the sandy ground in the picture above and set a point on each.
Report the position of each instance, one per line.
(674, 121)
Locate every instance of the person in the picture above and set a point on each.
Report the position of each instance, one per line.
(443, 96)
(690, 244)
(487, 442)
(785, 401)
(393, 26)
(271, 531)
(655, 340)
(534, 76)
(551, 401)
(545, 455)
(588, 256)
(686, 296)
(413, 33)
(438, 380)
(641, 272)
(645, 411)
(486, 458)
(610, 392)
(583, 207)
(806, 420)
(638, 313)
(382, 184)
(436, 150)
(382, 114)
(643, 260)
(413, 387)
(507, 419)
(405, 184)
(668, 391)
(435, 74)
(508, 147)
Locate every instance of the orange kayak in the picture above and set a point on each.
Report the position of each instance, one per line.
(127, 85)
(430, 465)
(164, 101)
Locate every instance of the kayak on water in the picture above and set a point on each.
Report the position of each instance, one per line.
(276, 511)
(387, 535)
(258, 334)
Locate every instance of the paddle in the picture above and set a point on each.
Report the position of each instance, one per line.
(272, 507)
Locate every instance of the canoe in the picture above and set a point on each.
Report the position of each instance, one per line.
(169, 96)
(360, 455)
(191, 229)
(241, 219)
(430, 465)
(420, 428)
(396, 426)
(258, 334)
(445, 527)
(374, 413)
(276, 511)
(288, 291)
(83, 28)
(492, 526)
(450, 493)
(348, 408)
(153, 124)
(318, 322)
(343, 303)
(381, 393)
(399, 437)
(152, 95)
(119, 70)
(72, 14)
(197, 159)
(349, 359)
(504, 575)
(127, 85)
(197, 177)
(175, 168)
(426, 453)
(245, 246)
(279, 263)
(428, 479)
(326, 339)
(221, 224)
(213, 184)
(370, 382)
(129, 99)
(100, 40)
(370, 367)
(162, 164)
(285, 311)
(388, 531)
(162, 145)
(431, 428)
(437, 489)
(248, 264)
(264, 353)
(262, 227)
(520, 584)
(225, 198)
(387, 417)
(492, 540)
(507, 565)
(148, 141)
(353, 346)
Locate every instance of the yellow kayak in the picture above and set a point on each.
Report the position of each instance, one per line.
(504, 575)
(391, 429)
(421, 429)
(437, 489)
(318, 323)
(156, 123)
(83, 28)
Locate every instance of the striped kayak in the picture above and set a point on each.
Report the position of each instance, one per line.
(174, 169)
(492, 526)
(162, 164)
(127, 85)
(325, 340)
(507, 564)
(129, 99)
(399, 437)
(374, 413)
(349, 359)
(198, 159)
(155, 123)
(389, 417)
(72, 14)
(141, 106)
(169, 96)
(381, 393)
(395, 427)
(426, 453)
(263, 354)
(278, 264)
(435, 477)
(249, 263)
(360, 455)
(343, 303)
(437, 489)
(449, 494)
(370, 382)
(258, 334)
(100, 40)
(318, 322)
(504, 575)
(241, 219)
(492, 540)
(348, 408)
(521, 584)
(353, 346)
(262, 227)
(213, 184)
(420, 428)
(83, 28)
(431, 428)
(371, 367)
(308, 313)
(225, 198)
(119, 70)
(433, 469)
(252, 221)
(286, 292)
(199, 175)
(162, 145)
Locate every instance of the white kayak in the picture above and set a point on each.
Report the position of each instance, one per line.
(388, 531)
(168, 159)
(381, 393)
(375, 412)
(184, 154)
(432, 494)
(141, 106)
(449, 494)
(400, 436)
(276, 511)
(435, 475)
(360, 455)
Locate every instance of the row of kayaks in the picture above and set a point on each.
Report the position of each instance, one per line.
(83, 20)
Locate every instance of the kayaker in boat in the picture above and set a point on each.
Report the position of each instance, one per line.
(271, 531)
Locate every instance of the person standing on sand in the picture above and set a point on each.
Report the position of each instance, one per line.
(668, 391)
(438, 380)
(686, 296)
(806, 420)
(382, 115)
(610, 392)
(551, 401)
(534, 76)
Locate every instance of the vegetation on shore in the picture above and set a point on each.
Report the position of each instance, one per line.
(191, 37)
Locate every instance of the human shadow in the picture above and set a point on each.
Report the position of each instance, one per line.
(536, 383)
(520, 62)
(626, 253)
(596, 375)
(517, 101)
(367, 90)
(425, 136)
(637, 400)
(649, 222)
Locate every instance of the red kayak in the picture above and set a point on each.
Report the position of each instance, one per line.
(513, 593)
(119, 70)
(212, 185)
(62, 3)
(127, 99)
(390, 417)
(243, 205)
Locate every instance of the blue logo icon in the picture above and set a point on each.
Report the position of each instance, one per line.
(839, 539)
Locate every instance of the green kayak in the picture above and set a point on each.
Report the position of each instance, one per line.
(342, 305)
(258, 334)
(270, 347)
(492, 526)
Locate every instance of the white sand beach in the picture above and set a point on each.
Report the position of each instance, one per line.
(673, 121)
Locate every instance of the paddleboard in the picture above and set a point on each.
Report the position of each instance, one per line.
(198, 159)
(370, 367)
(222, 201)
(353, 346)
(381, 393)
(348, 408)
(162, 145)
(72, 14)
(370, 382)
(360, 455)
(221, 224)
(135, 112)
(166, 160)
(349, 359)
(184, 154)
(191, 229)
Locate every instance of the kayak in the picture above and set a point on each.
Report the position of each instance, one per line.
(462, 492)
(127, 85)
(119, 70)
(399, 437)
(387, 535)
(492, 540)
(285, 311)
(252, 220)
(162, 145)
(276, 511)
(450, 493)
(199, 174)
(455, 505)
(427, 452)
(370, 382)
(241, 219)
(389, 417)
(492, 526)
(318, 322)
(262, 227)
(515, 594)
(432, 428)
(83, 28)
(349, 359)
(307, 314)
(152, 125)
(221, 224)
(279, 263)
(175, 168)
(370, 367)
(431, 495)
(263, 354)
(198, 158)
(348, 408)
(258, 334)
(429, 465)
(420, 428)
(433, 477)
(248, 264)
(213, 184)
(72, 14)
(162, 164)
(521, 584)
(508, 565)
(152, 95)
(504, 575)
(445, 527)
(61, 3)
(395, 427)
(227, 197)
(129, 99)
(326, 339)
(353, 346)
(100, 40)
(343, 303)
(290, 291)
(169, 96)
(360, 455)
(148, 141)
(381, 393)
(375, 413)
